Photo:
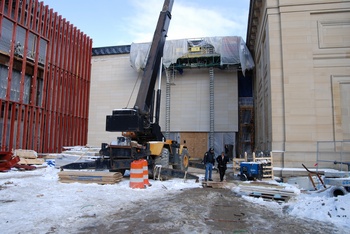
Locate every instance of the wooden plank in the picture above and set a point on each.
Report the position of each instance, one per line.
(30, 161)
(99, 177)
(26, 153)
(88, 182)
(91, 173)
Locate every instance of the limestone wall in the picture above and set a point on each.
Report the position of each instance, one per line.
(302, 77)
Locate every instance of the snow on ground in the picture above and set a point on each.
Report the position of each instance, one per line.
(319, 205)
(36, 202)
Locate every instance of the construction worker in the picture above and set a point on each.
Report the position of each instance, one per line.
(222, 165)
(209, 161)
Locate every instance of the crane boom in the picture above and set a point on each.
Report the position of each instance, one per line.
(137, 119)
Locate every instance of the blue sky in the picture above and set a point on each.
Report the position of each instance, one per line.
(117, 22)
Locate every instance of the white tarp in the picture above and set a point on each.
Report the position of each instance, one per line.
(232, 50)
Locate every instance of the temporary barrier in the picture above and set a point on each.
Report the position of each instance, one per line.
(136, 175)
(145, 172)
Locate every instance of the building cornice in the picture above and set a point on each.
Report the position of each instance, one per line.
(253, 21)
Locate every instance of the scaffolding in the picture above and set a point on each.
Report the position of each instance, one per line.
(246, 126)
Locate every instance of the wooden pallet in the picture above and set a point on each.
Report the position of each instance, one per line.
(99, 177)
(31, 161)
(276, 193)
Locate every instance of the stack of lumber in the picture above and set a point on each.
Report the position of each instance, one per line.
(99, 177)
(28, 157)
(266, 191)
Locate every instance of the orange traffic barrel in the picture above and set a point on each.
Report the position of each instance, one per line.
(136, 175)
(145, 172)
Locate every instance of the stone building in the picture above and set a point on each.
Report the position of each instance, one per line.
(301, 80)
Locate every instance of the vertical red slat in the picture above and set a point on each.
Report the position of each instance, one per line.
(2, 7)
(83, 99)
(29, 10)
(1, 16)
(22, 21)
(60, 88)
(1, 133)
(43, 110)
(73, 84)
(52, 81)
(88, 74)
(74, 80)
(2, 141)
(9, 9)
(38, 141)
(81, 87)
(4, 131)
(67, 86)
(31, 114)
(51, 116)
(12, 125)
(40, 20)
(46, 26)
(34, 24)
(78, 87)
(35, 87)
(81, 107)
(63, 128)
(86, 87)
(19, 113)
(47, 79)
(25, 127)
(19, 118)
(70, 96)
(19, 129)
(55, 132)
(16, 12)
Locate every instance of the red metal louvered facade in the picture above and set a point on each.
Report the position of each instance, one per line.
(45, 68)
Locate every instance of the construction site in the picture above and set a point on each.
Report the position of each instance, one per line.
(276, 104)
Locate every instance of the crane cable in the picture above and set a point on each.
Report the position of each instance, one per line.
(138, 77)
(133, 89)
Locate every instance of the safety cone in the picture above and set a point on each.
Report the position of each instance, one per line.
(145, 172)
(136, 175)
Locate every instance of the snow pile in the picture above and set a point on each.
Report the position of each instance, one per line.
(321, 206)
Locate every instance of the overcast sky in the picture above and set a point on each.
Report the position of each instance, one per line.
(117, 22)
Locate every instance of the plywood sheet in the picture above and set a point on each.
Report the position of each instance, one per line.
(196, 142)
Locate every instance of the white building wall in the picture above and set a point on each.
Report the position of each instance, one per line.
(112, 82)
(189, 105)
(115, 84)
